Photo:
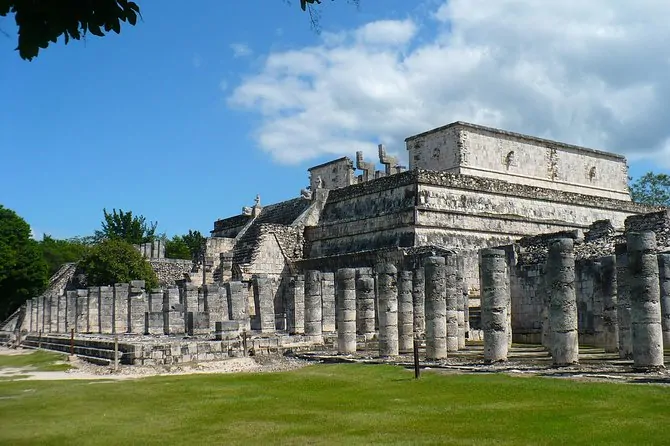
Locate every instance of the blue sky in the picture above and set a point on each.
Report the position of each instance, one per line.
(185, 117)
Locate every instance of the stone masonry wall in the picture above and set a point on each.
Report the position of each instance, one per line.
(475, 150)
(170, 270)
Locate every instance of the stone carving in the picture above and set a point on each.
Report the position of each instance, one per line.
(510, 159)
(367, 168)
(246, 210)
(390, 162)
(306, 193)
(319, 182)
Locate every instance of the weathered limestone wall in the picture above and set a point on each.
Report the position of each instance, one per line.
(365, 216)
(169, 271)
(334, 174)
(467, 213)
(475, 150)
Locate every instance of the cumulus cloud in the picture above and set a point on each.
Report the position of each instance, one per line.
(240, 49)
(592, 73)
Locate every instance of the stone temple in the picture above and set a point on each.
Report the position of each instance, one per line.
(466, 187)
(538, 237)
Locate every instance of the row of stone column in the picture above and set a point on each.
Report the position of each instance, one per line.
(128, 308)
(429, 299)
(636, 301)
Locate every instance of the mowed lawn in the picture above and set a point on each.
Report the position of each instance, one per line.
(333, 404)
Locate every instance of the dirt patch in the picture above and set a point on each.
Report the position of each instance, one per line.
(82, 370)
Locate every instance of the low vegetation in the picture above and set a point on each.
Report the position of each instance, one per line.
(334, 404)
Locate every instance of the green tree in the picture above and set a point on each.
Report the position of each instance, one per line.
(116, 261)
(176, 248)
(651, 188)
(23, 271)
(57, 252)
(188, 246)
(124, 226)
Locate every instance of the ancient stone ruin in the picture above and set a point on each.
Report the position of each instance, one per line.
(488, 237)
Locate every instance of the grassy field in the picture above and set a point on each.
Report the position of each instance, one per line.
(333, 404)
(39, 360)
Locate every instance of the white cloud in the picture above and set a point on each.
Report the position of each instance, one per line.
(593, 73)
(389, 32)
(241, 49)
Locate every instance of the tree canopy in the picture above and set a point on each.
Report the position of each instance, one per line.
(651, 188)
(41, 22)
(124, 226)
(188, 246)
(57, 252)
(116, 261)
(23, 271)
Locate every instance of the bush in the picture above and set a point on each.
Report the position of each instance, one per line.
(115, 261)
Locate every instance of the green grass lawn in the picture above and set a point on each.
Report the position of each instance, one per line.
(39, 360)
(333, 404)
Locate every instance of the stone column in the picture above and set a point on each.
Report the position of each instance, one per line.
(560, 273)
(346, 314)
(453, 289)
(46, 314)
(121, 291)
(664, 281)
(436, 308)
(216, 304)
(466, 311)
(62, 312)
(495, 296)
(609, 290)
(189, 297)
(171, 300)
(295, 311)
(313, 315)
(33, 315)
(38, 315)
(623, 302)
(82, 311)
(137, 307)
(264, 301)
(70, 310)
(93, 309)
(405, 312)
(237, 304)
(202, 300)
(365, 303)
(645, 301)
(54, 314)
(155, 301)
(387, 289)
(460, 299)
(28, 321)
(328, 302)
(106, 310)
(419, 300)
